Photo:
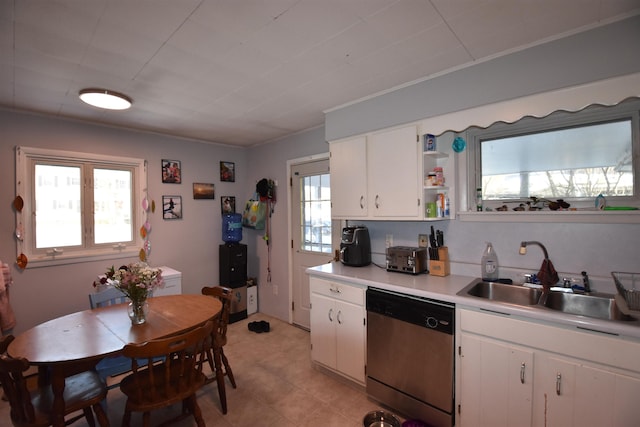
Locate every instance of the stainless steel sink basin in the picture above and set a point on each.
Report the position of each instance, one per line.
(598, 305)
(513, 294)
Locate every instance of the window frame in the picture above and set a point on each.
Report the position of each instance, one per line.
(26, 158)
(593, 114)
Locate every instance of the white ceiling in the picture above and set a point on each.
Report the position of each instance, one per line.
(243, 72)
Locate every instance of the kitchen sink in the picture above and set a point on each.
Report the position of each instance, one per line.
(598, 305)
(513, 294)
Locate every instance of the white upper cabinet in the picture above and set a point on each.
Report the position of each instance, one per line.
(348, 166)
(377, 176)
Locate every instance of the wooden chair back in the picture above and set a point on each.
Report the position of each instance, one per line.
(14, 385)
(83, 391)
(165, 371)
(225, 296)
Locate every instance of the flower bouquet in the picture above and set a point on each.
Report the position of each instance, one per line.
(136, 281)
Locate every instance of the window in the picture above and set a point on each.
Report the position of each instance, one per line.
(316, 213)
(77, 206)
(569, 156)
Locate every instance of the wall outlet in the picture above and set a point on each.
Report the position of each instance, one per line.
(389, 241)
(423, 240)
(275, 289)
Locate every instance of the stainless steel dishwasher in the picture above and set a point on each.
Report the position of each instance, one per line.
(410, 355)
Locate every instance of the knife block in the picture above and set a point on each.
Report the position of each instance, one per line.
(441, 266)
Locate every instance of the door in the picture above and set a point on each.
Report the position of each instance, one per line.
(313, 235)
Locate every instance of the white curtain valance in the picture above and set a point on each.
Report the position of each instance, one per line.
(604, 92)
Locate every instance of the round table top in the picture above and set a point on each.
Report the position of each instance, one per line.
(104, 331)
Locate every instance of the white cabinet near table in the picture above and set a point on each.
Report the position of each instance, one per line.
(377, 176)
(515, 372)
(172, 282)
(338, 328)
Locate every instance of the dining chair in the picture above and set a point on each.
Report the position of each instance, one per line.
(176, 378)
(218, 361)
(33, 408)
(113, 365)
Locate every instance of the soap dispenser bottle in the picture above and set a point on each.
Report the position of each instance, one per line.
(489, 264)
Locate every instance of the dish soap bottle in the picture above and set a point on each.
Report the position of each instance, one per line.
(489, 264)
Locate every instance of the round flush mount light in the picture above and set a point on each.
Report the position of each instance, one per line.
(107, 99)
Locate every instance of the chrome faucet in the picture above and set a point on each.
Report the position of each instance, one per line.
(547, 274)
(523, 248)
(585, 282)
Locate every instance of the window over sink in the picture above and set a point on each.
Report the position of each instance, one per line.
(573, 156)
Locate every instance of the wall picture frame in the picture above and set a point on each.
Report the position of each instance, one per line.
(171, 207)
(227, 172)
(171, 172)
(204, 190)
(227, 204)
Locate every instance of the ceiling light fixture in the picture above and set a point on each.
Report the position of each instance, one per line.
(107, 99)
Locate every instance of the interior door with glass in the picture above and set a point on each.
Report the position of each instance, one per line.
(313, 236)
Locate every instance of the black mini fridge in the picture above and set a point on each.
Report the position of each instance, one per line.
(233, 274)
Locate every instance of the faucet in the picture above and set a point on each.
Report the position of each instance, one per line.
(547, 274)
(585, 282)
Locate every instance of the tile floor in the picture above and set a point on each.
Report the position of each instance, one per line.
(277, 386)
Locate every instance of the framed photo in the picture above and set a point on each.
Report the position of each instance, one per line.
(171, 207)
(171, 172)
(227, 171)
(228, 204)
(202, 190)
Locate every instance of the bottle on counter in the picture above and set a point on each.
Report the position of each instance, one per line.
(479, 199)
(489, 264)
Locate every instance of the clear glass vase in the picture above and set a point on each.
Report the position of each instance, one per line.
(138, 312)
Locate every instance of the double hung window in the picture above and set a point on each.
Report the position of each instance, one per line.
(77, 206)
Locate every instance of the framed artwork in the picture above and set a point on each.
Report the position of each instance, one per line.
(227, 171)
(171, 172)
(202, 190)
(171, 207)
(228, 204)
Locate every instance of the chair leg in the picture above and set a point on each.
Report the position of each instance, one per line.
(126, 418)
(227, 368)
(89, 416)
(192, 403)
(103, 420)
(217, 354)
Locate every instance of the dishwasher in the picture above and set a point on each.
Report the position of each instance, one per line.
(410, 355)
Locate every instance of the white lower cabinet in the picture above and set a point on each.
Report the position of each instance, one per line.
(497, 383)
(338, 327)
(513, 372)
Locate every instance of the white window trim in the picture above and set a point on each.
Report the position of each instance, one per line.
(24, 219)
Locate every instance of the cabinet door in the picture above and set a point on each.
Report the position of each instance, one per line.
(555, 392)
(323, 330)
(496, 383)
(348, 165)
(350, 340)
(393, 161)
(577, 394)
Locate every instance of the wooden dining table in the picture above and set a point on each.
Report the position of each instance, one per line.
(75, 342)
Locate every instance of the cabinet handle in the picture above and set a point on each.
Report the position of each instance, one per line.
(330, 314)
(377, 204)
(361, 202)
(558, 381)
(338, 317)
(335, 290)
(522, 367)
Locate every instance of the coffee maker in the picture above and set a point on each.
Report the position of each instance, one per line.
(355, 246)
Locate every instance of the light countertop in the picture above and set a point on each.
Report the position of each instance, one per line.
(446, 289)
